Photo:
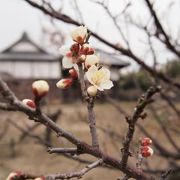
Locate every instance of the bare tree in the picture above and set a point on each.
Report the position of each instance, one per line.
(154, 31)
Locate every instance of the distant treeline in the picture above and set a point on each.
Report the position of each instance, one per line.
(130, 86)
(141, 79)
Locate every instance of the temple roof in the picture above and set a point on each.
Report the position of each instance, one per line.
(24, 49)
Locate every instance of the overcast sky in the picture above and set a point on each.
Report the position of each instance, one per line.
(17, 16)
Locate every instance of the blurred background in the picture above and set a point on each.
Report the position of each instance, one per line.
(29, 49)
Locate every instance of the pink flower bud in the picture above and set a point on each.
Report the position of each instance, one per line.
(40, 88)
(12, 175)
(30, 103)
(75, 49)
(92, 91)
(73, 73)
(64, 83)
(146, 141)
(146, 151)
(87, 49)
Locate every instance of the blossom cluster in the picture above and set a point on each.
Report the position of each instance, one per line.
(145, 149)
(80, 53)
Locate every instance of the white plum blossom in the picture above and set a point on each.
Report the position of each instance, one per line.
(99, 77)
(67, 60)
(79, 34)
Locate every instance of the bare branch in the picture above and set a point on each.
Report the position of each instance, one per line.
(161, 30)
(63, 150)
(143, 102)
(81, 146)
(78, 174)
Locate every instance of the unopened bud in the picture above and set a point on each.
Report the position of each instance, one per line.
(92, 91)
(12, 175)
(91, 60)
(87, 49)
(146, 151)
(75, 49)
(30, 103)
(64, 83)
(40, 88)
(146, 141)
(73, 73)
(82, 58)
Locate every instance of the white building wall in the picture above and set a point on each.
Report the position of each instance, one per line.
(31, 69)
(6, 67)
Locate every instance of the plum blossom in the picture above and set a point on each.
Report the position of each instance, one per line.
(99, 77)
(67, 60)
(79, 34)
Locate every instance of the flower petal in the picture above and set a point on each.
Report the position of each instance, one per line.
(90, 73)
(106, 85)
(67, 62)
(106, 72)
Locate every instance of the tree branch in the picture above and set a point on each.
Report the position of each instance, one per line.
(143, 101)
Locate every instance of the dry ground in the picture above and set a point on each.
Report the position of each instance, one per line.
(30, 156)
